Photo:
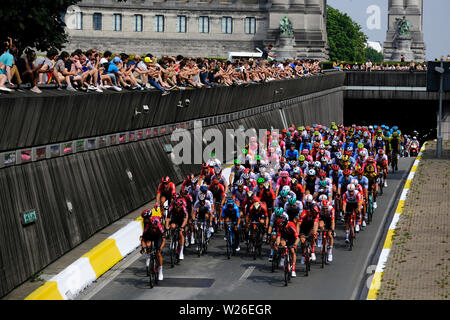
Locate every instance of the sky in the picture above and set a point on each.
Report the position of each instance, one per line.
(436, 22)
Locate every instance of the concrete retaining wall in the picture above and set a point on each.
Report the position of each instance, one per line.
(97, 185)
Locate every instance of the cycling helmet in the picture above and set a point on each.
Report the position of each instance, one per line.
(338, 156)
(317, 164)
(294, 182)
(345, 157)
(201, 196)
(278, 212)
(258, 157)
(292, 201)
(212, 164)
(414, 138)
(326, 143)
(350, 149)
(284, 193)
(301, 158)
(323, 197)
(217, 170)
(322, 173)
(324, 159)
(230, 202)
(380, 151)
(244, 151)
(325, 204)
(335, 167)
(360, 171)
(334, 143)
(237, 161)
(205, 165)
(266, 186)
(260, 180)
(305, 151)
(296, 170)
(360, 145)
(245, 176)
(146, 213)
(240, 182)
(250, 194)
(395, 134)
(347, 172)
(311, 172)
(257, 205)
(380, 138)
(308, 198)
(351, 187)
(292, 163)
(165, 179)
(203, 189)
(194, 181)
(287, 189)
(355, 182)
(284, 174)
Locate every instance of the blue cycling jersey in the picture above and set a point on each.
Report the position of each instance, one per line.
(232, 213)
(291, 155)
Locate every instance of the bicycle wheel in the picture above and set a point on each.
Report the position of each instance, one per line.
(370, 210)
(381, 185)
(351, 236)
(274, 260)
(199, 241)
(152, 271)
(286, 269)
(172, 252)
(307, 257)
(204, 240)
(229, 243)
(324, 249)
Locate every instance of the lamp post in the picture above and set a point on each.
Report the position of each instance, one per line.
(441, 92)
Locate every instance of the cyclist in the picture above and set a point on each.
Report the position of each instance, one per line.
(187, 182)
(287, 235)
(293, 209)
(230, 213)
(310, 182)
(236, 171)
(283, 180)
(327, 222)
(323, 185)
(219, 176)
(218, 192)
(394, 143)
(291, 153)
(370, 171)
(205, 174)
(382, 164)
(282, 199)
(249, 183)
(177, 220)
(153, 231)
(309, 223)
(352, 201)
(166, 190)
(239, 194)
(297, 188)
(257, 214)
(277, 216)
(203, 212)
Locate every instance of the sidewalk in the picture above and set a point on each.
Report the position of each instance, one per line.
(418, 264)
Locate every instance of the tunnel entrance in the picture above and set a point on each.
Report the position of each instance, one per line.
(408, 115)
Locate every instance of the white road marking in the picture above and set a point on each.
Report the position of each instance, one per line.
(247, 273)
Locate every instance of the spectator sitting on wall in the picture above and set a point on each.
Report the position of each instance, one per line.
(266, 53)
(46, 71)
(62, 74)
(6, 63)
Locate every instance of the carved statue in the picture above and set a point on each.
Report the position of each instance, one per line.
(286, 27)
(403, 26)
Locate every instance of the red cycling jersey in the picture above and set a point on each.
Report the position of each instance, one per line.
(256, 215)
(355, 198)
(289, 232)
(169, 191)
(218, 192)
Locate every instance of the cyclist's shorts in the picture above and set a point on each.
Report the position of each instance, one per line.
(350, 208)
(290, 241)
(326, 221)
(157, 239)
(178, 221)
(371, 183)
(306, 228)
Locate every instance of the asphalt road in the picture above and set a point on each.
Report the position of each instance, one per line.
(213, 276)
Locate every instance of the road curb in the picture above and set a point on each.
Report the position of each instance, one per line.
(88, 268)
(379, 271)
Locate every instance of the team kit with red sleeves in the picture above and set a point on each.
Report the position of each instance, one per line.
(292, 187)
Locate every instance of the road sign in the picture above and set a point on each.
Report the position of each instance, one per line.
(28, 217)
(434, 75)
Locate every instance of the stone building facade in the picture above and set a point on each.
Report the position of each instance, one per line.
(208, 28)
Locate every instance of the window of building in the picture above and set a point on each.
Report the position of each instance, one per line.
(227, 25)
(97, 21)
(159, 23)
(181, 24)
(117, 22)
(138, 23)
(203, 24)
(250, 25)
(79, 21)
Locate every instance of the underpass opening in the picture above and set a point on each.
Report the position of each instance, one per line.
(408, 115)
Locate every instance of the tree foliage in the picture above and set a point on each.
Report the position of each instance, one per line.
(373, 55)
(34, 23)
(346, 40)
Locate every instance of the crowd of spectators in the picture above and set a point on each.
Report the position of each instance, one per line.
(92, 70)
(370, 66)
